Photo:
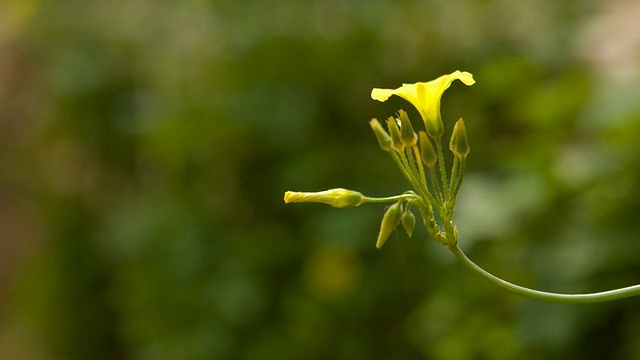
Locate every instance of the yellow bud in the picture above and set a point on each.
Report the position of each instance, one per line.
(459, 144)
(338, 198)
(396, 138)
(409, 138)
(427, 152)
(390, 220)
(383, 138)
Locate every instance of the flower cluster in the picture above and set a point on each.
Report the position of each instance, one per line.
(420, 158)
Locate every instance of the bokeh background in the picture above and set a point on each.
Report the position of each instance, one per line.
(145, 147)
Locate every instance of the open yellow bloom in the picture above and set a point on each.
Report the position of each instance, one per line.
(425, 96)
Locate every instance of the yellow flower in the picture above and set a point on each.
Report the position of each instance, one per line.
(425, 96)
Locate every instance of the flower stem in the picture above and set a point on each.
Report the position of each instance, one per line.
(454, 178)
(436, 185)
(405, 171)
(407, 195)
(443, 172)
(584, 298)
(461, 169)
(413, 168)
(416, 153)
(413, 177)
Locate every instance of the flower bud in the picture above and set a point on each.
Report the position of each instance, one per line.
(408, 221)
(427, 151)
(396, 138)
(409, 138)
(459, 144)
(338, 198)
(384, 140)
(390, 220)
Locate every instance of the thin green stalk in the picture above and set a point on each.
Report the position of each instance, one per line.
(413, 165)
(443, 172)
(436, 185)
(405, 196)
(584, 298)
(398, 162)
(454, 177)
(461, 170)
(407, 174)
(416, 153)
(411, 175)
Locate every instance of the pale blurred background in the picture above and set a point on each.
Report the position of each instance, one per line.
(145, 147)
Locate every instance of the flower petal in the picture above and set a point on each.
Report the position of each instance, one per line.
(410, 92)
(382, 94)
(465, 77)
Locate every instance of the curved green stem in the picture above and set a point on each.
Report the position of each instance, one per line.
(543, 295)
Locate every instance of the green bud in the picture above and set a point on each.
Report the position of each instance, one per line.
(408, 221)
(459, 144)
(427, 151)
(390, 220)
(384, 140)
(409, 137)
(338, 198)
(396, 138)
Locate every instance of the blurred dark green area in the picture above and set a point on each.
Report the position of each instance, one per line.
(145, 147)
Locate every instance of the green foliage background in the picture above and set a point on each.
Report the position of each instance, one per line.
(145, 147)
